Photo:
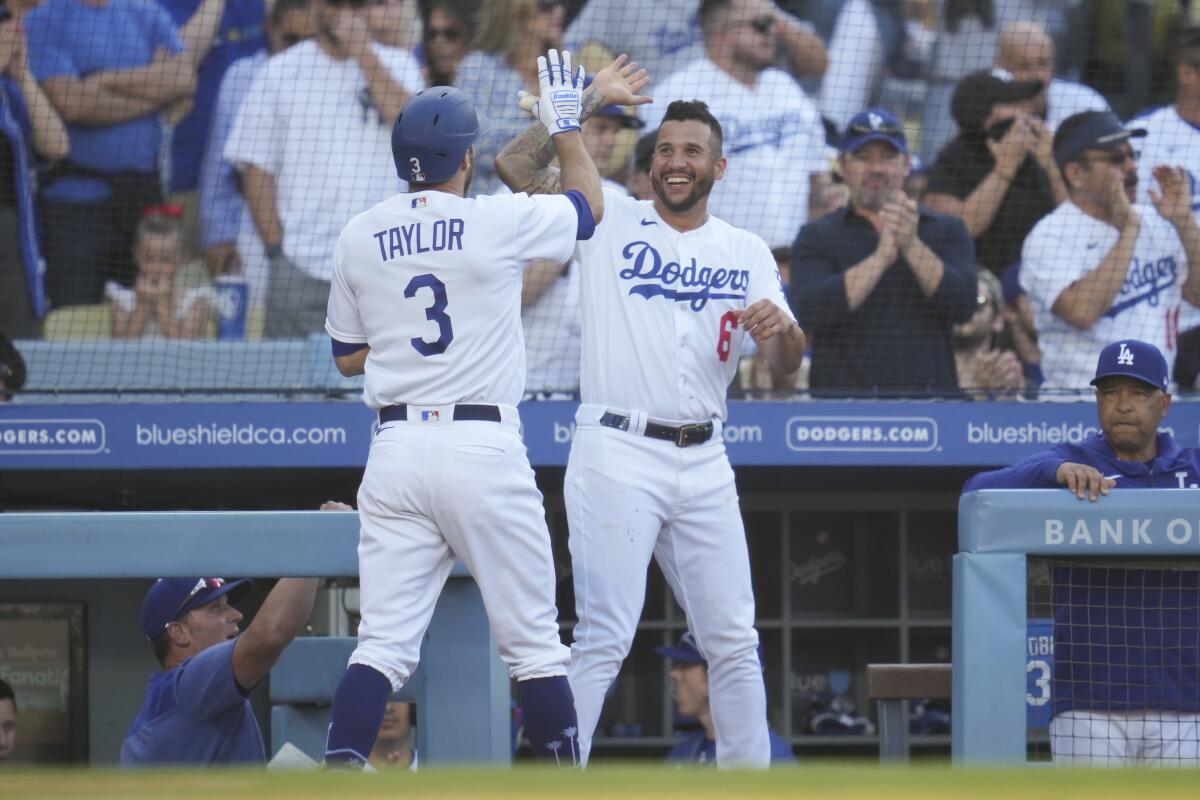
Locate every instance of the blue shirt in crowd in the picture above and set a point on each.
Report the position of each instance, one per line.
(66, 37)
(1124, 638)
(195, 714)
(240, 33)
(697, 748)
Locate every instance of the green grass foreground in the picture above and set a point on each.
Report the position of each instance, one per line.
(843, 781)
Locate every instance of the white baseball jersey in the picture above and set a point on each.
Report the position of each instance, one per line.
(1067, 98)
(1170, 140)
(312, 126)
(773, 138)
(432, 282)
(658, 307)
(1064, 247)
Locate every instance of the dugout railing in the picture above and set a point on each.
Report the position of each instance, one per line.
(999, 531)
(464, 697)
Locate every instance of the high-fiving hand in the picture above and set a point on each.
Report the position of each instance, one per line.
(560, 101)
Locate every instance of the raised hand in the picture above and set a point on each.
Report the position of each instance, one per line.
(1123, 213)
(620, 83)
(560, 102)
(1010, 151)
(1174, 200)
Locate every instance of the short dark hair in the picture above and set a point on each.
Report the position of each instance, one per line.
(162, 646)
(1187, 47)
(684, 110)
(12, 367)
(7, 693)
(708, 8)
(281, 7)
(643, 153)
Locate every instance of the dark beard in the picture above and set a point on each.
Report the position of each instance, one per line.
(700, 189)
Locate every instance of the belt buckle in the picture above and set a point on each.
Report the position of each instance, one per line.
(684, 432)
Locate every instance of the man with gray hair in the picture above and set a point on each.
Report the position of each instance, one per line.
(1026, 51)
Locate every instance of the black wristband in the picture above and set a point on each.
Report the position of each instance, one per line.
(274, 250)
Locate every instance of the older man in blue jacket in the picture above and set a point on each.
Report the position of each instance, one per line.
(1126, 639)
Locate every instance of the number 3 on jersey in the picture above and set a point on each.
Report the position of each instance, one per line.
(434, 313)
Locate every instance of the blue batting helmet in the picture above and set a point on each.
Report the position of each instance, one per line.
(433, 131)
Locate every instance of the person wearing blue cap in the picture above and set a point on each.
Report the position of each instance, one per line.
(882, 281)
(196, 711)
(689, 681)
(1099, 268)
(1124, 687)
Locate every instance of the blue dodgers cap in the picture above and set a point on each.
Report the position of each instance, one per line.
(1133, 359)
(170, 598)
(1090, 129)
(687, 652)
(873, 125)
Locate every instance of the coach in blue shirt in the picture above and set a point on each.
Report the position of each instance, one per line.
(1126, 647)
(881, 283)
(196, 710)
(689, 678)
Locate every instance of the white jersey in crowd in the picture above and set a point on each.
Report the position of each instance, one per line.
(659, 306)
(1067, 98)
(1170, 140)
(773, 138)
(313, 127)
(432, 282)
(1065, 246)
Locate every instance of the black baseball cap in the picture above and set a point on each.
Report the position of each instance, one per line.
(978, 92)
(1090, 130)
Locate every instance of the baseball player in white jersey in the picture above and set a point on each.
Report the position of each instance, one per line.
(668, 294)
(425, 301)
(1099, 268)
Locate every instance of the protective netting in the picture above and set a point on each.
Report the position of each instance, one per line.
(1113, 662)
(174, 174)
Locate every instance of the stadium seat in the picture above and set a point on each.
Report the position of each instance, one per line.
(78, 322)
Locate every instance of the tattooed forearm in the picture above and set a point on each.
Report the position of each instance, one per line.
(524, 163)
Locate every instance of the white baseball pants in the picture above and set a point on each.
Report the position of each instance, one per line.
(434, 490)
(1125, 738)
(630, 498)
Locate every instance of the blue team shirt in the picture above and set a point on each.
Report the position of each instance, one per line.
(697, 748)
(195, 714)
(66, 37)
(1124, 638)
(240, 33)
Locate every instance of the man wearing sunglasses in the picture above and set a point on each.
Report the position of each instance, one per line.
(775, 140)
(1099, 268)
(313, 152)
(196, 711)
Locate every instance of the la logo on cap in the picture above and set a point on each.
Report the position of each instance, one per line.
(1125, 356)
(875, 119)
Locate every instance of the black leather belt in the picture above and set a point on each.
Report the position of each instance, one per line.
(461, 412)
(683, 436)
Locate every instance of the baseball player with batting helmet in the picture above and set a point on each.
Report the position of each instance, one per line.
(425, 301)
(668, 294)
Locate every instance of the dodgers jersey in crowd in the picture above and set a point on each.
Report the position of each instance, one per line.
(659, 310)
(1170, 140)
(1113, 626)
(773, 138)
(1065, 246)
(417, 278)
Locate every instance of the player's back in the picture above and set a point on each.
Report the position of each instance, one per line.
(432, 283)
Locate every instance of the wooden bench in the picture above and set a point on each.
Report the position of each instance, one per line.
(892, 686)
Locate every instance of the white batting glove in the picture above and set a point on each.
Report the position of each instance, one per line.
(560, 103)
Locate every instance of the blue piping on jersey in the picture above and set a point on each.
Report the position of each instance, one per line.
(587, 223)
(346, 348)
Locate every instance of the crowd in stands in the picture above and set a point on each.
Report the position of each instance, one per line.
(167, 164)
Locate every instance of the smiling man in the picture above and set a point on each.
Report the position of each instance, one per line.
(1125, 638)
(196, 711)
